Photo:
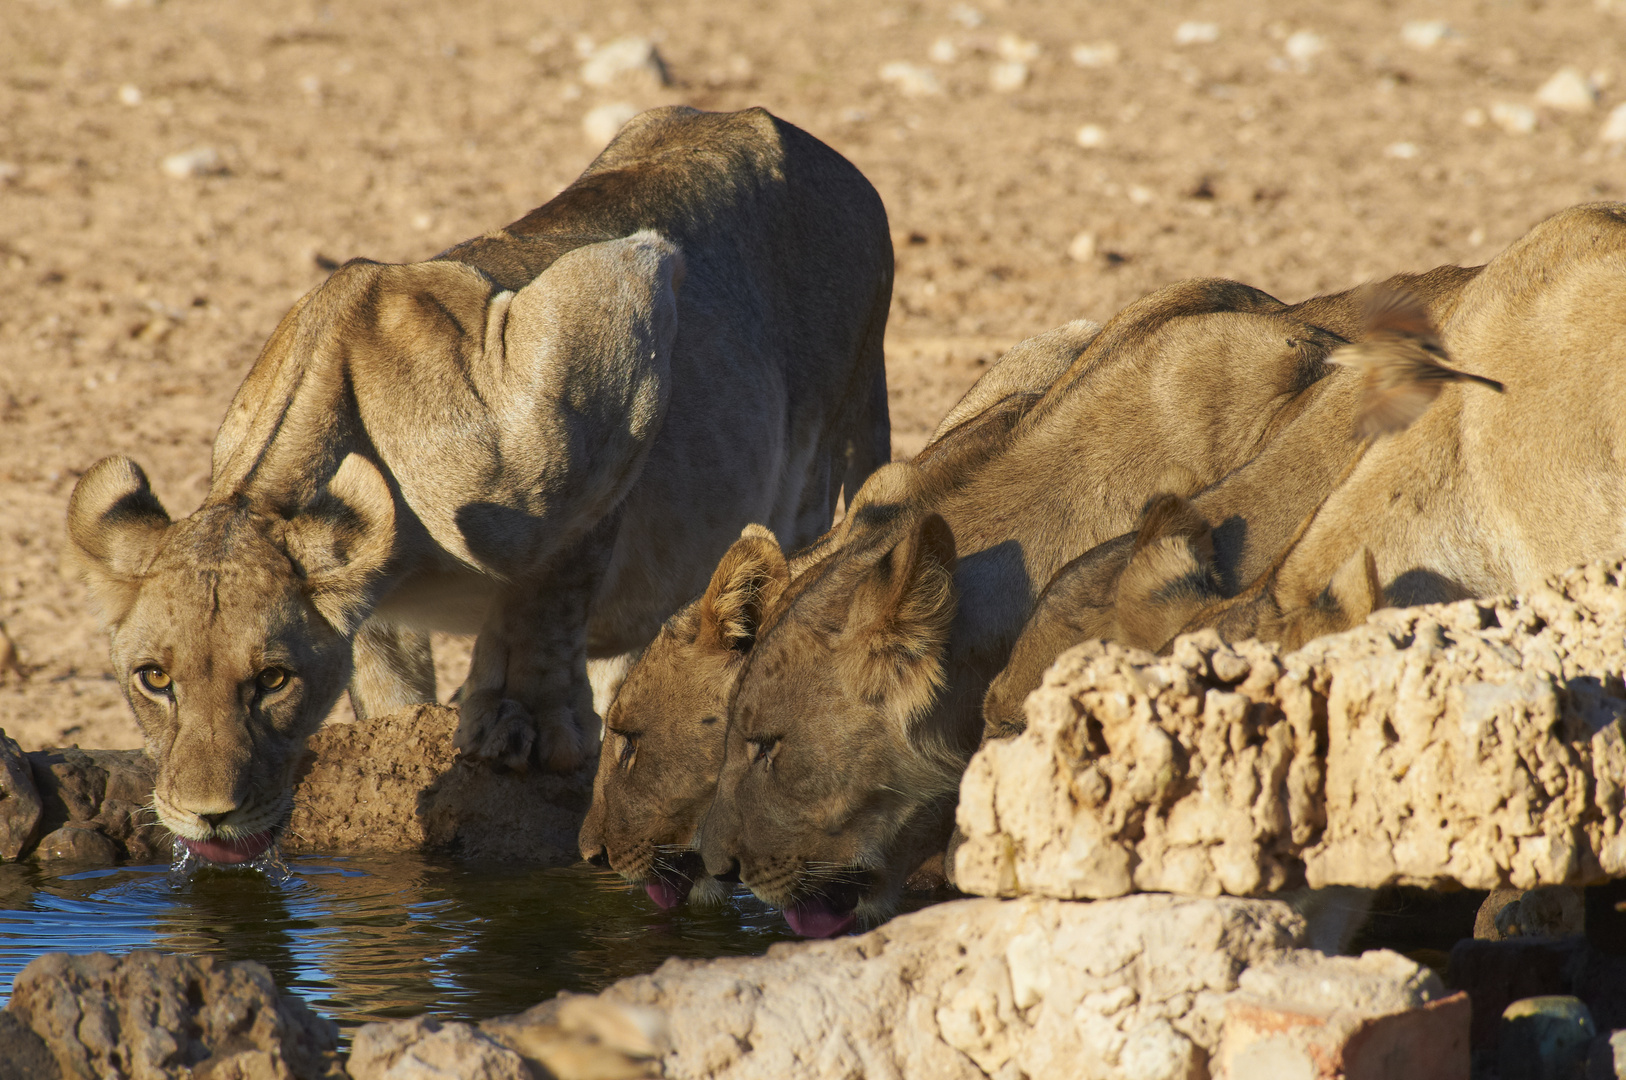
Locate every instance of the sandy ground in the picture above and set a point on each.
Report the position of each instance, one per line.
(1300, 149)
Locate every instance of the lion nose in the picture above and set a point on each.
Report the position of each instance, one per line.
(599, 858)
(729, 873)
(214, 820)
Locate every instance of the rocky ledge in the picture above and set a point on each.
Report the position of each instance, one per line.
(388, 783)
(1476, 744)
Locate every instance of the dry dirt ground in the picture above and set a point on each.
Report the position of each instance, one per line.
(1299, 147)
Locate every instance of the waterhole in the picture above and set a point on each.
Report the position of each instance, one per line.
(379, 937)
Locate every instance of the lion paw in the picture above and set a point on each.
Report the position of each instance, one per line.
(501, 732)
(560, 746)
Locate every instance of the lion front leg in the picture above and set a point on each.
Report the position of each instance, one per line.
(394, 669)
(528, 697)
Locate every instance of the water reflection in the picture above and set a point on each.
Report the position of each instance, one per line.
(369, 938)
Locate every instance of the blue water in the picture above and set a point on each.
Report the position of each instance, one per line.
(368, 938)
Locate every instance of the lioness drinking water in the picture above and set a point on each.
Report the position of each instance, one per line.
(546, 435)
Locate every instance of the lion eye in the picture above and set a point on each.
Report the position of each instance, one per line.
(155, 679)
(272, 678)
(629, 748)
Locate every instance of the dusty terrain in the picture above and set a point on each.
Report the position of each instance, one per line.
(174, 175)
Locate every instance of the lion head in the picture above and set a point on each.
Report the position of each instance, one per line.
(231, 636)
(836, 780)
(663, 735)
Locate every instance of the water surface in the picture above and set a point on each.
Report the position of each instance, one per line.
(374, 937)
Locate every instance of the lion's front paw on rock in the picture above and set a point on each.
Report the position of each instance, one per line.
(500, 732)
(560, 745)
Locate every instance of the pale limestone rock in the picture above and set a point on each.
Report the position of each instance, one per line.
(1478, 742)
(1127, 988)
(427, 1049)
(152, 1016)
(625, 58)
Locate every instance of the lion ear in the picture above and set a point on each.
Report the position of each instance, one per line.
(751, 576)
(1356, 587)
(905, 610)
(115, 524)
(342, 540)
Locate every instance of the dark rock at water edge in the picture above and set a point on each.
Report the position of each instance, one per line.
(20, 806)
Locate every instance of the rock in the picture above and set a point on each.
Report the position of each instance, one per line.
(1082, 247)
(1550, 911)
(1478, 744)
(1614, 128)
(572, 1037)
(427, 1049)
(387, 783)
(393, 783)
(109, 790)
(1007, 76)
(974, 988)
(1545, 1038)
(602, 122)
(152, 1015)
(1607, 1058)
(623, 58)
(1302, 47)
(1091, 137)
(1568, 90)
(23, 1054)
(20, 806)
(1497, 973)
(1513, 119)
(911, 80)
(1096, 54)
(1424, 34)
(78, 842)
(577, 1037)
(200, 161)
(1196, 33)
(1314, 1016)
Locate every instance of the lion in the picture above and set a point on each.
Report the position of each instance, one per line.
(1483, 493)
(880, 656)
(546, 435)
(664, 731)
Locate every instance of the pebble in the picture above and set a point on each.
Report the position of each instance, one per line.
(1096, 54)
(1008, 76)
(9, 171)
(602, 122)
(1196, 33)
(1424, 34)
(1474, 117)
(966, 15)
(1513, 119)
(1404, 151)
(130, 94)
(199, 161)
(1092, 136)
(627, 56)
(1304, 46)
(1614, 128)
(1568, 90)
(943, 51)
(911, 80)
(1016, 49)
(1140, 195)
(1082, 249)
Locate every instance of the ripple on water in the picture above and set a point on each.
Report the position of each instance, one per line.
(374, 937)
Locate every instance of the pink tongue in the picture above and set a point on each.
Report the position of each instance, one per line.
(238, 850)
(817, 919)
(668, 894)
